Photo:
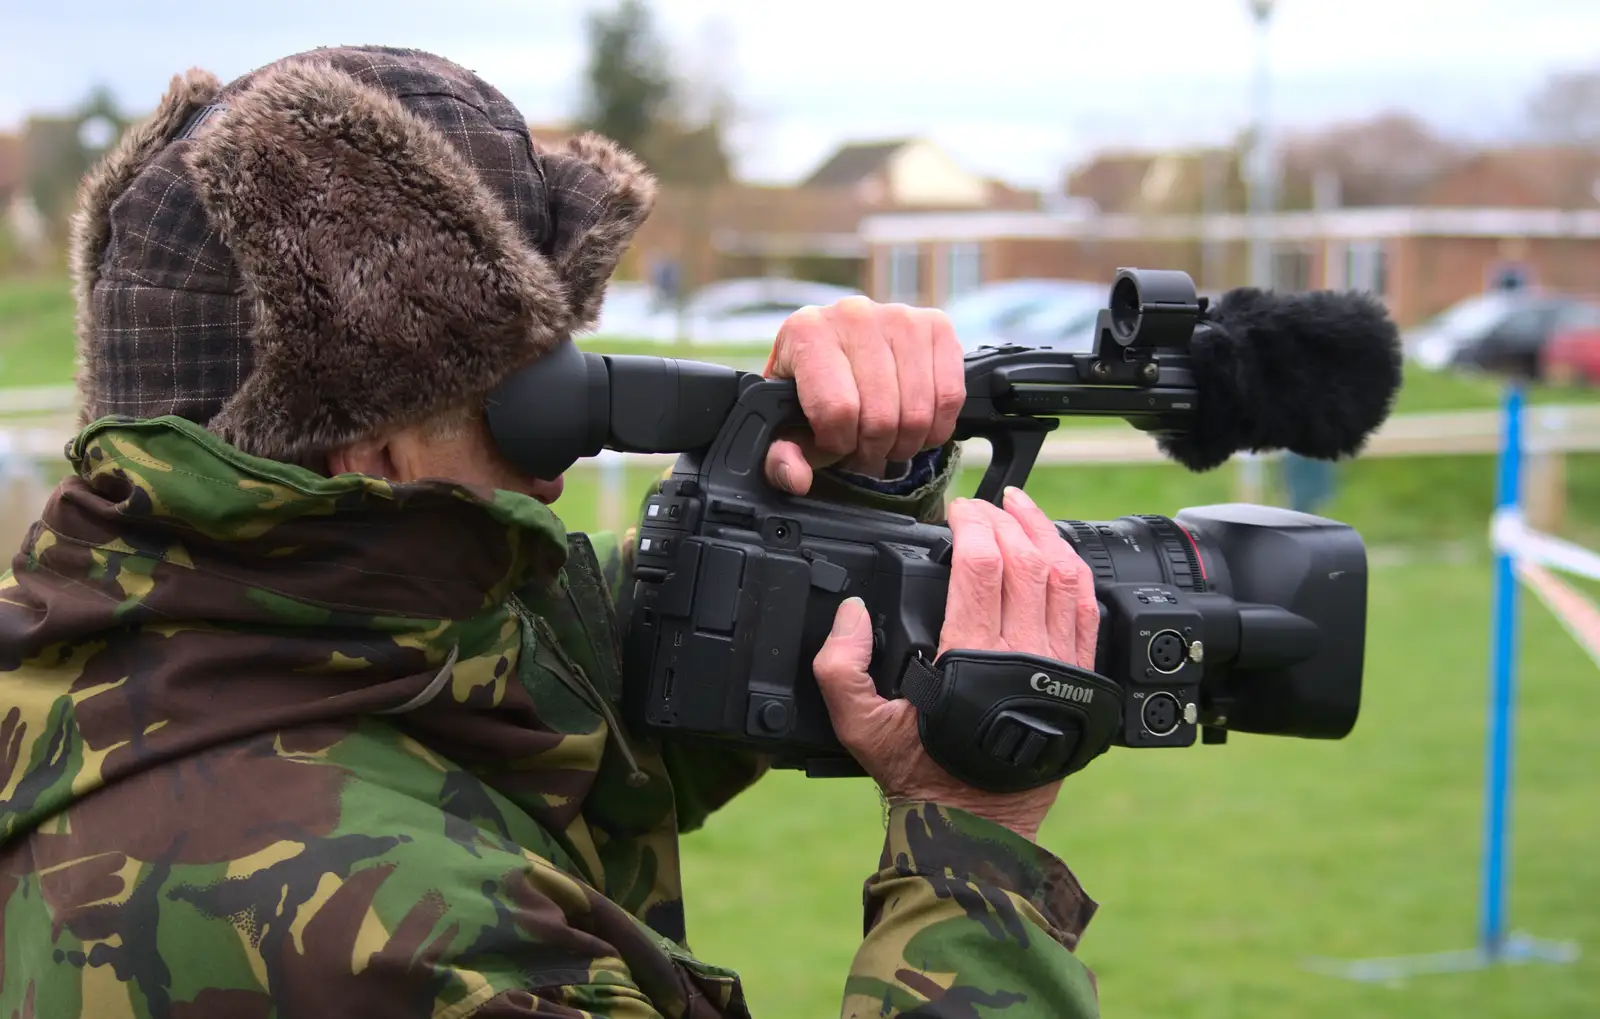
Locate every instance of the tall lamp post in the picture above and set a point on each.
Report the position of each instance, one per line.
(1259, 175)
(1259, 185)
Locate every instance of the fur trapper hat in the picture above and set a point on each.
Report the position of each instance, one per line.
(343, 240)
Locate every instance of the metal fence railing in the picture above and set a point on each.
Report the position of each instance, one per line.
(35, 425)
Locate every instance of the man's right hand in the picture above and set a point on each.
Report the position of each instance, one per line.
(1015, 585)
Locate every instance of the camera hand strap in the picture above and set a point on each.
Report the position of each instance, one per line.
(1004, 721)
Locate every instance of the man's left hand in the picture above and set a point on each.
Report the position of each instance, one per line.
(877, 382)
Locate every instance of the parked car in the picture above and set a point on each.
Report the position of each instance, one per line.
(1572, 355)
(626, 308)
(985, 315)
(1501, 332)
(737, 311)
(1062, 323)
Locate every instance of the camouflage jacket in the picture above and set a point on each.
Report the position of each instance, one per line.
(284, 745)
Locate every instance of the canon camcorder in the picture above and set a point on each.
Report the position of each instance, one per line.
(1225, 617)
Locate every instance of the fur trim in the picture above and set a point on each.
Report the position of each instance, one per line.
(588, 260)
(388, 282)
(91, 223)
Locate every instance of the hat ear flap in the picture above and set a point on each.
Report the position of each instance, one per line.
(91, 223)
(600, 194)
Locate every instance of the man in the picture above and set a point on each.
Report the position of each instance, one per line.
(309, 698)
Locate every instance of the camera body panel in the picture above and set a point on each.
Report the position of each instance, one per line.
(736, 592)
(734, 597)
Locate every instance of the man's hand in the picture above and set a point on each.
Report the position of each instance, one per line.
(877, 382)
(1015, 585)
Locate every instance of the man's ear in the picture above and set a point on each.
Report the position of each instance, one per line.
(371, 457)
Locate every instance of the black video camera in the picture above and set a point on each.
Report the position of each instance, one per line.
(1228, 617)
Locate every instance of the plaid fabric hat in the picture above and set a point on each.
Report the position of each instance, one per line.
(343, 240)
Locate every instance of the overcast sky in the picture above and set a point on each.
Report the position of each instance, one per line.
(1015, 88)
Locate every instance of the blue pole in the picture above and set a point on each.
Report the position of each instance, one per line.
(1502, 689)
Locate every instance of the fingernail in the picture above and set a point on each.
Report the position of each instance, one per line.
(848, 623)
(783, 478)
(1021, 497)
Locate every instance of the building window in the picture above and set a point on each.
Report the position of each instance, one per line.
(1291, 271)
(904, 265)
(963, 269)
(1366, 267)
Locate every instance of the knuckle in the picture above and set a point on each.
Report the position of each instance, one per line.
(938, 323)
(827, 664)
(833, 662)
(985, 564)
(855, 308)
(878, 422)
(1029, 566)
(916, 416)
(805, 324)
(839, 405)
(1064, 576)
(901, 317)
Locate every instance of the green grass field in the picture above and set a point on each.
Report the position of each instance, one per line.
(1414, 502)
(36, 336)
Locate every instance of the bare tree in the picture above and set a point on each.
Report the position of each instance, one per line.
(1381, 160)
(1563, 115)
(632, 94)
(1565, 110)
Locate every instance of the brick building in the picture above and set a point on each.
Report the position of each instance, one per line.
(1441, 234)
(812, 230)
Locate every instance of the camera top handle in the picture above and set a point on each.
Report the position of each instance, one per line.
(1138, 370)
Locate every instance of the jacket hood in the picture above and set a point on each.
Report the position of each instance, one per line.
(178, 594)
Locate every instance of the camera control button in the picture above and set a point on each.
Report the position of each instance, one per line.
(1022, 741)
(774, 716)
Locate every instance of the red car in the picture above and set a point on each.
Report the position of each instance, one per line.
(1571, 357)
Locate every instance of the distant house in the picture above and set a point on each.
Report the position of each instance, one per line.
(1435, 231)
(812, 230)
(1532, 177)
(901, 172)
(1189, 180)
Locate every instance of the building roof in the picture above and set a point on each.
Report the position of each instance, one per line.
(1527, 177)
(760, 209)
(852, 164)
(1111, 180)
(1332, 224)
(1175, 181)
